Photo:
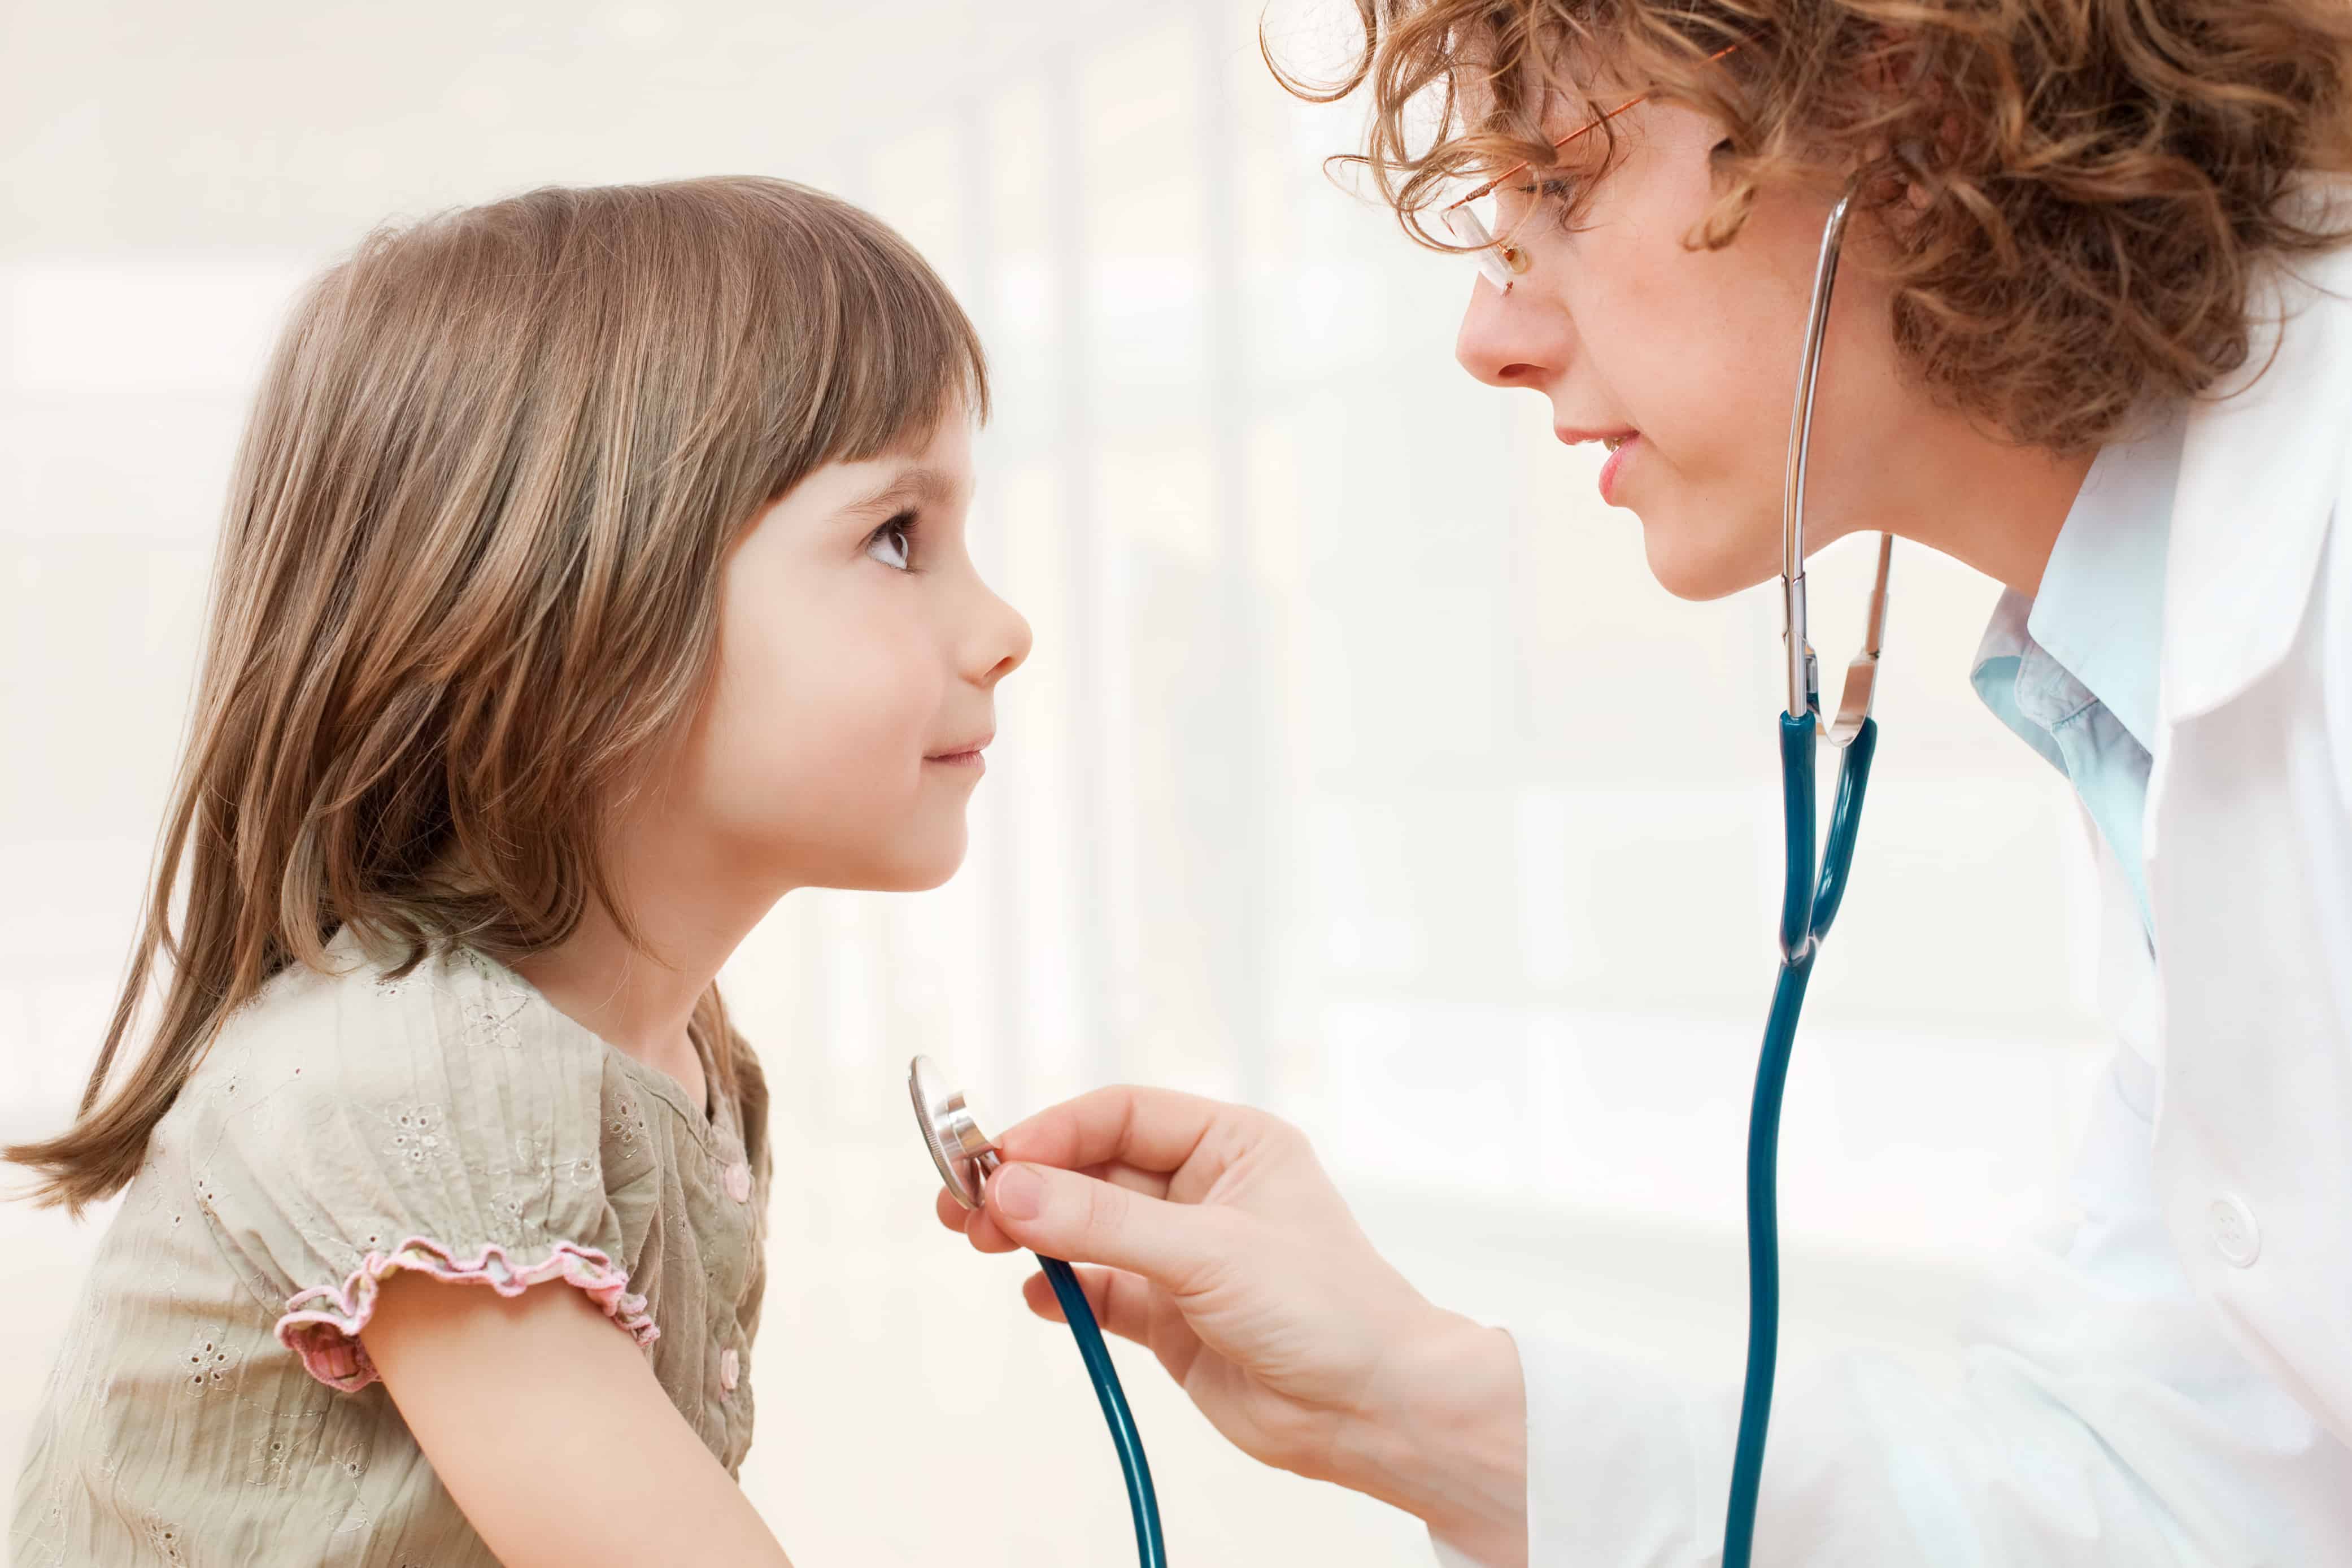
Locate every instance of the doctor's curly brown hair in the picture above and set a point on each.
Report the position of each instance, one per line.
(2080, 193)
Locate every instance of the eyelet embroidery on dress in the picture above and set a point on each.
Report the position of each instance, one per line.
(509, 1206)
(165, 1536)
(492, 1018)
(273, 1453)
(417, 1130)
(521, 1181)
(628, 1124)
(277, 1454)
(208, 1363)
(493, 1022)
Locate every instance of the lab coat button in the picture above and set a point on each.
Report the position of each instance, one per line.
(2236, 1236)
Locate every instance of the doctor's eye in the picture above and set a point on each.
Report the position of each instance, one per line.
(1553, 198)
(893, 544)
(1554, 188)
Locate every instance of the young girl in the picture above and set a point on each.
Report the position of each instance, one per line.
(594, 575)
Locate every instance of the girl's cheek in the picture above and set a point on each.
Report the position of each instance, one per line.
(870, 706)
(830, 693)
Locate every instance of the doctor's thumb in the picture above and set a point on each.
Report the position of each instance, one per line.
(1061, 1213)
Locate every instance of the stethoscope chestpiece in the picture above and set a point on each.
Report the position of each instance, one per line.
(964, 1154)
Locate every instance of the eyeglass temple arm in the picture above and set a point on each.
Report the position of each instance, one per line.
(1591, 124)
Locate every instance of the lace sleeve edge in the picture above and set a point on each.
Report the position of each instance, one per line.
(322, 1325)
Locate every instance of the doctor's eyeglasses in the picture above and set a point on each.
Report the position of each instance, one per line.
(1470, 218)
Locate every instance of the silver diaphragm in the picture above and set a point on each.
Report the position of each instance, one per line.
(964, 1154)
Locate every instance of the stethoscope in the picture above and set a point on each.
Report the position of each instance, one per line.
(965, 1156)
(1811, 892)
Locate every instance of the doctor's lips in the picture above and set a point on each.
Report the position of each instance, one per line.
(966, 755)
(1620, 444)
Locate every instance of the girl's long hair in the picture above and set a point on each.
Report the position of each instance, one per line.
(468, 581)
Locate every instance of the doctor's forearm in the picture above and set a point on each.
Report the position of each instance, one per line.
(1442, 1436)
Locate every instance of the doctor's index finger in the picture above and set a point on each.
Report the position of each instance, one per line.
(1147, 1130)
(983, 1233)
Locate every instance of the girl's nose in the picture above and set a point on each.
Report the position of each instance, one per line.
(1001, 645)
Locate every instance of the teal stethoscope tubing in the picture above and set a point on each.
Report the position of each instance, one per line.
(1141, 1501)
(1811, 895)
(1809, 903)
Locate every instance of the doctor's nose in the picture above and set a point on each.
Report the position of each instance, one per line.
(1509, 339)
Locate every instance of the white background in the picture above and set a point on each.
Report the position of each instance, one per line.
(1361, 770)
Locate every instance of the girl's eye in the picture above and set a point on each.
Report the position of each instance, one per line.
(893, 544)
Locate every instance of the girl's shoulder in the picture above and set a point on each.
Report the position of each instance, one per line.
(452, 1056)
(371, 1027)
(415, 1086)
(361, 1119)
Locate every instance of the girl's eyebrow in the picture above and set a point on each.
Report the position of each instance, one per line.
(908, 487)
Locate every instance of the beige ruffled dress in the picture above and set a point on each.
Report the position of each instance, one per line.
(213, 1404)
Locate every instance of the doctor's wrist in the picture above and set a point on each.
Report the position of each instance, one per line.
(1442, 1434)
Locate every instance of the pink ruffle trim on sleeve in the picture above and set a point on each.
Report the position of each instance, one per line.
(322, 1324)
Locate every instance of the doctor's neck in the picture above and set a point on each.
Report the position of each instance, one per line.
(1989, 503)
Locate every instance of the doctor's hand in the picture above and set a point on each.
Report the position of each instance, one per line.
(1234, 1260)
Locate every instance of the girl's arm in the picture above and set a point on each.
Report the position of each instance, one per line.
(548, 1427)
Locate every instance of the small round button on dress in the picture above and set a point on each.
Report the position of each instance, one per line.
(2236, 1235)
(731, 1370)
(738, 1181)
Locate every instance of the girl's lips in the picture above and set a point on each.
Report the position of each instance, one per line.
(961, 760)
(1614, 470)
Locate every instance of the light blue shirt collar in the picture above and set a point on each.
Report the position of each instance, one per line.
(2100, 613)
(2074, 671)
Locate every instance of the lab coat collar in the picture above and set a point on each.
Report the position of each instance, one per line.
(2261, 465)
(2100, 610)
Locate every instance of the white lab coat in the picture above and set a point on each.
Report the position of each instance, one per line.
(2171, 1381)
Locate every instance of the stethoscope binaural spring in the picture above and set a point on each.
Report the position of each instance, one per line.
(965, 1156)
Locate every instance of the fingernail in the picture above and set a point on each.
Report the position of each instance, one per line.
(1018, 1192)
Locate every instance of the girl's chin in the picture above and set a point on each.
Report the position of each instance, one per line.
(917, 869)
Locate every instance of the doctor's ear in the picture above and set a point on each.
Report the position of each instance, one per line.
(1904, 167)
(1900, 178)
(1913, 176)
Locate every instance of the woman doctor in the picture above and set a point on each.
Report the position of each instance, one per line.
(2093, 337)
